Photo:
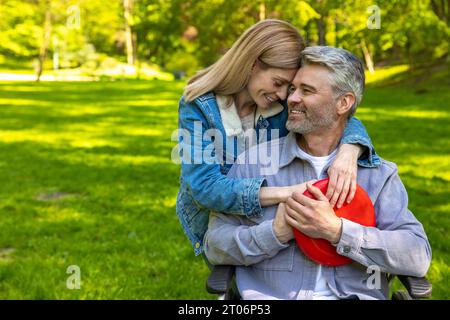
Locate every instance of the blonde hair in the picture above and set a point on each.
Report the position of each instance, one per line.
(274, 42)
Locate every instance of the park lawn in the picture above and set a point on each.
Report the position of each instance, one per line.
(87, 180)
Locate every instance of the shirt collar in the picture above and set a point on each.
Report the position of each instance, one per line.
(290, 150)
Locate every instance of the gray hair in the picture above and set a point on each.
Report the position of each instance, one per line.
(347, 71)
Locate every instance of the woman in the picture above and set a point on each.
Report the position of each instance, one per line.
(246, 90)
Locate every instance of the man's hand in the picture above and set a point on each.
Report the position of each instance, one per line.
(282, 230)
(342, 173)
(315, 218)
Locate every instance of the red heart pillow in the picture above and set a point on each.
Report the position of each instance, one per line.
(360, 210)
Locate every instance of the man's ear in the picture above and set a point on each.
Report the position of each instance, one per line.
(345, 102)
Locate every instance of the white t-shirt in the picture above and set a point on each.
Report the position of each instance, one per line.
(321, 289)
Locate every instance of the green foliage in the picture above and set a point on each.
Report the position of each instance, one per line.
(183, 61)
(19, 28)
(410, 31)
(159, 28)
(102, 25)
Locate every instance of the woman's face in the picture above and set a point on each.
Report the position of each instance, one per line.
(267, 85)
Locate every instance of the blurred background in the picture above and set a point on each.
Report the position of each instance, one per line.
(89, 94)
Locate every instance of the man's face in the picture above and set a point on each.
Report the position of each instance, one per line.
(312, 104)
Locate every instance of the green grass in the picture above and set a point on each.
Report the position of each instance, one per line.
(408, 117)
(86, 180)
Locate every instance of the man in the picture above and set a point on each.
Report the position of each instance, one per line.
(324, 94)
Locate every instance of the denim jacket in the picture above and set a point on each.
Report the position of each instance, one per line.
(203, 183)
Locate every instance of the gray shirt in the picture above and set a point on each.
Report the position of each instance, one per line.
(268, 269)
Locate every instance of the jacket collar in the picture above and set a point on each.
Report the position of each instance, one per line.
(230, 118)
(289, 150)
(274, 109)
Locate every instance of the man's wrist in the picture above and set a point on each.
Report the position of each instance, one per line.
(282, 235)
(336, 234)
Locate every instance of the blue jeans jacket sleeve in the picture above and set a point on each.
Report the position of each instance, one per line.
(356, 133)
(209, 187)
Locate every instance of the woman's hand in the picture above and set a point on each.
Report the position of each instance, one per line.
(269, 196)
(301, 187)
(282, 230)
(342, 173)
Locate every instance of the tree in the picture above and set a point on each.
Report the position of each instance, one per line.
(130, 38)
(190, 34)
(442, 10)
(47, 30)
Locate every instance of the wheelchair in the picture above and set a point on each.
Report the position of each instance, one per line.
(221, 282)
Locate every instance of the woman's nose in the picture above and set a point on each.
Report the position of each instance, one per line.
(282, 94)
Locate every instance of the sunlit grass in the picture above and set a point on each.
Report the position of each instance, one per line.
(113, 160)
(57, 138)
(87, 180)
(405, 113)
(381, 74)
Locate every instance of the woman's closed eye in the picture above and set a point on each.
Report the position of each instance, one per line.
(277, 84)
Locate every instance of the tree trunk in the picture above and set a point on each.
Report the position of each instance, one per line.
(307, 32)
(135, 58)
(441, 9)
(45, 40)
(448, 12)
(127, 6)
(412, 66)
(262, 11)
(322, 31)
(367, 56)
(336, 33)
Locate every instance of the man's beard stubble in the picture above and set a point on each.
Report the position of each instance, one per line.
(313, 120)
